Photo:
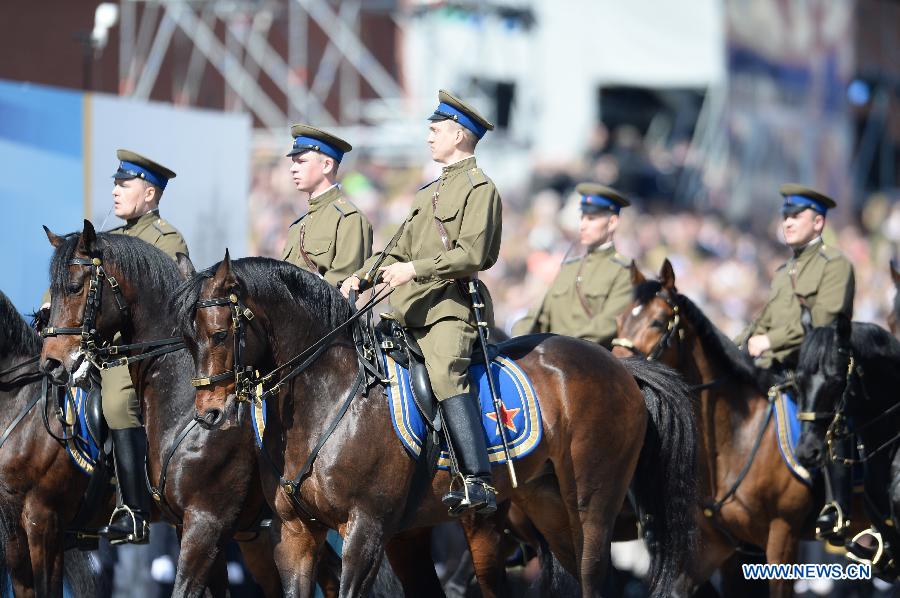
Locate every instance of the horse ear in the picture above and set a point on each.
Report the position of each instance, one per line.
(895, 276)
(54, 239)
(667, 275)
(185, 265)
(88, 237)
(636, 276)
(843, 330)
(224, 276)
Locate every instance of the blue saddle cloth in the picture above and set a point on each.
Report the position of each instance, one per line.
(787, 428)
(81, 446)
(520, 412)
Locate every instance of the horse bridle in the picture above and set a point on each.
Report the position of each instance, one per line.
(243, 374)
(88, 331)
(665, 341)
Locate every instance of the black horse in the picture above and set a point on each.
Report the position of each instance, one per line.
(848, 375)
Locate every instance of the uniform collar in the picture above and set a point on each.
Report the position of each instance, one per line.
(143, 218)
(458, 166)
(603, 249)
(809, 249)
(325, 197)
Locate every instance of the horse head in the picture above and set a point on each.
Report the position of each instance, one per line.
(221, 336)
(87, 305)
(651, 326)
(824, 368)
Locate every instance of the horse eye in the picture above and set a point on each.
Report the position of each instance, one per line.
(73, 288)
(658, 324)
(219, 337)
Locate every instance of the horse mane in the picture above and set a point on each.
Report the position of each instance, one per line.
(720, 348)
(16, 336)
(274, 279)
(137, 260)
(872, 345)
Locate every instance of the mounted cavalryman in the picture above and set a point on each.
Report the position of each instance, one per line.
(452, 233)
(138, 186)
(820, 279)
(590, 290)
(333, 238)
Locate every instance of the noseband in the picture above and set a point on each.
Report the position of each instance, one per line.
(665, 341)
(88, 329)
(243, 374)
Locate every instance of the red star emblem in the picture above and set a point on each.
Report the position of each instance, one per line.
(507, 415)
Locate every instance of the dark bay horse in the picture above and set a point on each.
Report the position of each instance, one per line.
(40, 486)
(211, 486)
(596, 436)
(752, 497)
(848, 375)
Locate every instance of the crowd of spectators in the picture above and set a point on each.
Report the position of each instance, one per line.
(723, 265)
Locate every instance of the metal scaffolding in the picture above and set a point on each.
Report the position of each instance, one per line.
(232, 37)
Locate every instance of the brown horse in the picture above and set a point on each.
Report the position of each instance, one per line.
(753, 498)
(39, 484)
(595, 432)
(211, 489)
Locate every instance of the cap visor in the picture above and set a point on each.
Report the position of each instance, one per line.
(591, 209)
(121, 176)
(793, 210)
(437, 117)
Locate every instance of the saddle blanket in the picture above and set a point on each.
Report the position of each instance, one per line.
(519, 411)
(80, 443)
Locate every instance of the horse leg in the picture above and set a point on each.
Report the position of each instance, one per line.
(543, 505)
(484, 537)
(44, 548)
(259, 557)
(781, 547)
(363, 551)
(202, 546)
(410, 556)
(297, 548)
(217, 582)
(18, 563)
(713, 550)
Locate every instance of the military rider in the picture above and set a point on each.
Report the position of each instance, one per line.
(591, 290)
(452, 233)
(138, 186)
(821, 278)
(333, 238)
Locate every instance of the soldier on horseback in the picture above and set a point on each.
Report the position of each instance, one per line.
(137, 189)
(333, 238)
(591, 290)
(817, 283)
(452, 233)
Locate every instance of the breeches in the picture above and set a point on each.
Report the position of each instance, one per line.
(447, 346)
(120, 403)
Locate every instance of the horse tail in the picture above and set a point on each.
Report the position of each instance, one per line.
(554, 580)
(665, 482)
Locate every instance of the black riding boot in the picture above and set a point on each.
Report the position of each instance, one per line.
(834, 518)
(462, 420)
(130, 521)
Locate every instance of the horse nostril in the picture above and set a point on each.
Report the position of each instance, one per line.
(213, 417)
(54, 368)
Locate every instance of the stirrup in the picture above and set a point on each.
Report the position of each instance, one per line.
(840, 527)
(875, 560)
(458, 507)
(133, 537)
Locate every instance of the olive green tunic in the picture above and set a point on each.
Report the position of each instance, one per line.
(335, 235)
(823, 277)
(605, 291)
(121, 407)
(432, 306)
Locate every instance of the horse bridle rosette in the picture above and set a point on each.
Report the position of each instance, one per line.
(672, 327)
